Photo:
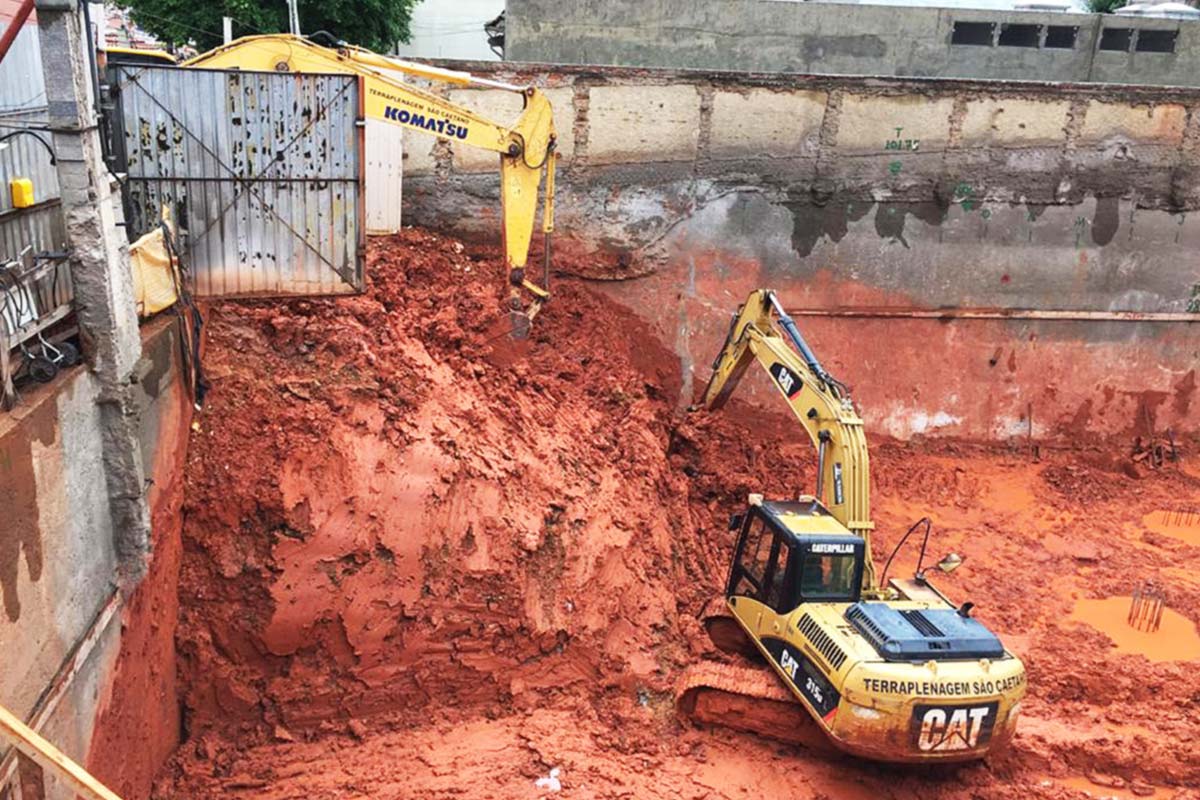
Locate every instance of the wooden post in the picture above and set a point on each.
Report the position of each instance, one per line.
(50, 758)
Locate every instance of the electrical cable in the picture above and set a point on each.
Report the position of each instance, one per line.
(43, 142)
(193, 28)
(191, 321)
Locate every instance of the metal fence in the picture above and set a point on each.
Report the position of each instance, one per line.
(263, 171)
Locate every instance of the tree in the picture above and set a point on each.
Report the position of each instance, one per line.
(374, 24)
(1105, 6)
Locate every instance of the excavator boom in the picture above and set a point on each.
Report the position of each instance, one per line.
(762, 331)
(526, 148)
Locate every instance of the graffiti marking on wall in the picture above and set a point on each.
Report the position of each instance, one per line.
(901, 144)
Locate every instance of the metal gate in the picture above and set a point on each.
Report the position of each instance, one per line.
(263, 171)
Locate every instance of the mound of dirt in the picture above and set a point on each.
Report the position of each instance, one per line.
(392, 506)
(421, 560)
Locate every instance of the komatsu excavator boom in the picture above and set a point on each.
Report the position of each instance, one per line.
(526, 148)
(894, 673)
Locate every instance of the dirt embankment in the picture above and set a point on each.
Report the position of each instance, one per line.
(423, 561)
(391, 507)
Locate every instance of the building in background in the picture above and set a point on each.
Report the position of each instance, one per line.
(115, 28)
(452, 29)
(1024, 40)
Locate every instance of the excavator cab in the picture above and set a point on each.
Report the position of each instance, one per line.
(790, 553)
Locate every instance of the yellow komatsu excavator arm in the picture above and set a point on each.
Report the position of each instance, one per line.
(761, 331)
(526, 149)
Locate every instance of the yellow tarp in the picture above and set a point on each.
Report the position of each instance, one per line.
(153, 274)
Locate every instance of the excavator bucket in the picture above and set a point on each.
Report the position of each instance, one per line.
(519, 324)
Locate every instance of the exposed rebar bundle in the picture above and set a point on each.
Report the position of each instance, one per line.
(1146, 608)
(1183, 517)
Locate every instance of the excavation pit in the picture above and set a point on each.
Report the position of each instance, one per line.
(419, 564)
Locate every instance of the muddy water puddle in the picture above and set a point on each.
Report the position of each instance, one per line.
(1086, 786)
(1175, 640)
(1183, 525)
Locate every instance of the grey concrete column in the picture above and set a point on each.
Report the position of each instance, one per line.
(100, 271)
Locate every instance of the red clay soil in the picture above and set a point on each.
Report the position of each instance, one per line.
(422, 561)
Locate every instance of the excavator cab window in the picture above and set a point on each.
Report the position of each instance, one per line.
(779, 593)
(831, 571)
(761, 569)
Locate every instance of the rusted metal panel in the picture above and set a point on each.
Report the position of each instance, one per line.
(263, 171)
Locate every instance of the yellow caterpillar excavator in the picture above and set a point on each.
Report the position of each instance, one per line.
(894, 673)
(526, 149)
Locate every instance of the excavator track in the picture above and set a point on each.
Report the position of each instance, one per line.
(746, 699)
(724, 630)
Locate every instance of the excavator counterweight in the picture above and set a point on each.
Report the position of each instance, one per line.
(894, 673)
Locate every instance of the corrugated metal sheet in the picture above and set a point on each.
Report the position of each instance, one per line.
(264, 171)
(23, 156)
(22, 86)
(23, 108)
(41, 227)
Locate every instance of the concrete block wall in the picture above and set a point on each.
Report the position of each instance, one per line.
(77, 538)
(836, 39)
(684, 189)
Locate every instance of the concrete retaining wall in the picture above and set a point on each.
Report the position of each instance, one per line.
(849, 39)
(58, 570)
(862, 197)
(57, 562)
(138, 709)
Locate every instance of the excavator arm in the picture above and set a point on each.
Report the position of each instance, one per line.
(526, 149)
(762, 332)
